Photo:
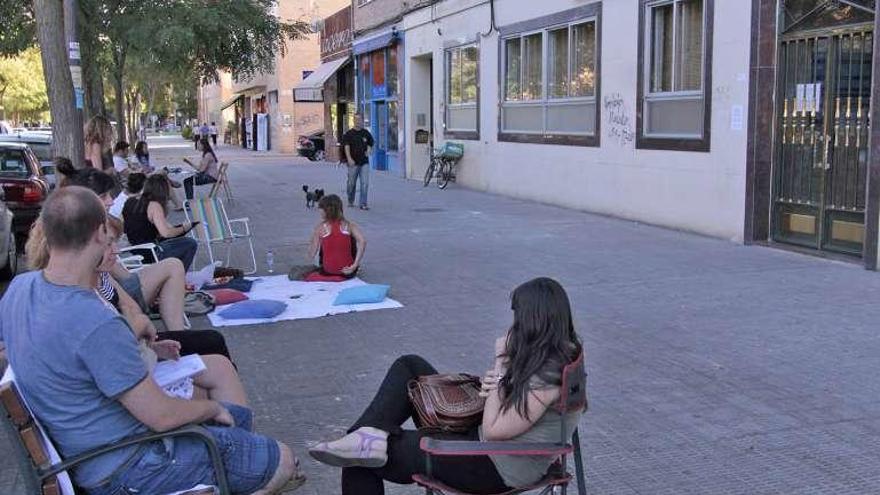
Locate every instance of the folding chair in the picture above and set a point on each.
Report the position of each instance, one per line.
(222, 182)
(43, 470)
(217, 228)
(134, 258)
(573, 397)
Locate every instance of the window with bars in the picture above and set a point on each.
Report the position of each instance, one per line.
(673, 61)
(550, 81)
(461, 88)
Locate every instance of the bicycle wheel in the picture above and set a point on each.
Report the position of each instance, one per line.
(445, 174)
(429, 173)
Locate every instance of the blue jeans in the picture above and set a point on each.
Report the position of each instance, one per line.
(356, 172)
(183, 248)
(183, 462)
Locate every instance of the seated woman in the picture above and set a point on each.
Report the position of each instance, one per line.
(521, 390)
(207, 171)
(337, 243)
(219, 381)
(145, 222)
(142, 155)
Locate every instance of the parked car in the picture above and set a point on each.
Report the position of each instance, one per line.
(9, 256)
(23, 184)
(312, 146)
(40, 143)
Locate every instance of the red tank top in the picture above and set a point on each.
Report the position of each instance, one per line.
(337, 248)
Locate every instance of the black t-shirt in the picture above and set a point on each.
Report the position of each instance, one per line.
(138, 227)
(358, 141)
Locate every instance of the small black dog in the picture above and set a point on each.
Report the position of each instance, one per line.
(312, 198)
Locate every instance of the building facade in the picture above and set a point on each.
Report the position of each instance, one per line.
(378, 48)
(333, 82)
(267, 116)
(700, 115)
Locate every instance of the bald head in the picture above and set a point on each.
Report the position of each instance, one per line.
(70, 217)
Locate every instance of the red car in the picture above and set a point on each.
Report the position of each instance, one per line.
(24, 186)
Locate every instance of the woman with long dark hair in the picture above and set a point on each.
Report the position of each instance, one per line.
(520, 391)
(207, 171)
(142, 154)
(146, 221)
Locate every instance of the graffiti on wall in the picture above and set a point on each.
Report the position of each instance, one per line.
(312, 119)
(620, 121)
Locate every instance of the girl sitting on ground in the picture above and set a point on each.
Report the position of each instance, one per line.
(337, 243)
(521, 390)
(146, 222)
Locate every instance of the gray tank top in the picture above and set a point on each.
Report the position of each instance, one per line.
(520, 471)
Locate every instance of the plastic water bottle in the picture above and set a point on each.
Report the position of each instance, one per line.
(270, 261)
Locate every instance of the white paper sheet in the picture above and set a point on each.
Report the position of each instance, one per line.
(167, 373)
(311, 300)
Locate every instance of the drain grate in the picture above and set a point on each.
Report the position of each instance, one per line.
(428, 210)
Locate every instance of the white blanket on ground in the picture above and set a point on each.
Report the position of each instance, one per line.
(304, 300)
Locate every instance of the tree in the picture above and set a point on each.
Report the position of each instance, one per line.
(17, 27)
(67, 129)
(22, 86)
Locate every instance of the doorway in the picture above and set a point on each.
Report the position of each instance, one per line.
(421, 114)
(823, 128)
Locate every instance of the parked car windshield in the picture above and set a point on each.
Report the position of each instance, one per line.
(42, 150)
(13, 164)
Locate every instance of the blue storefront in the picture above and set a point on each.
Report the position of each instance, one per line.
(380, 97)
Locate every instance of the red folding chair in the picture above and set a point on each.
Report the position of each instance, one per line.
(573, 397)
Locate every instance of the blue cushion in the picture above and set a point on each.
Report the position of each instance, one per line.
(255, 308)
(362, 294)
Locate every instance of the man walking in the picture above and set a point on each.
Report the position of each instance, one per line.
(213, 130)
(78, 365)
(358, 144)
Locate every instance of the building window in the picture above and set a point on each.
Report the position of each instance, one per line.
(462, 92)
(392, 70)
(550, 79)
(676, 66)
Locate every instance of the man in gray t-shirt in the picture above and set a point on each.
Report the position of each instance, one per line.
(78, 366)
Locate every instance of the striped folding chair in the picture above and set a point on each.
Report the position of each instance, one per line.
(217, 228)
(222, 183)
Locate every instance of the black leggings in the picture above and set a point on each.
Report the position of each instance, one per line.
(389, 410)
(201, 342)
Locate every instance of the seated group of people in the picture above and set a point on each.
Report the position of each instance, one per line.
(91, 383)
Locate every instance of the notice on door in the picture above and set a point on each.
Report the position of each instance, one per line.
(808, 98)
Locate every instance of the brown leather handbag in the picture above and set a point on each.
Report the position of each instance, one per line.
(447, 402)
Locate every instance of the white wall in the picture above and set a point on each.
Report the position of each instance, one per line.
(702, 192)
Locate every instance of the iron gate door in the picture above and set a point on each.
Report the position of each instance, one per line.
(824, 85)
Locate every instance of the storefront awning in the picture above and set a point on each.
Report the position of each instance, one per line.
(376, 42)
(231, 101)
(312, 87)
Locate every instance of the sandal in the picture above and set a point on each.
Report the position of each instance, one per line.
(365, 455)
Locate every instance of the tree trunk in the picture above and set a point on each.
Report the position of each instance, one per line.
(93, 81)
(118, 75)
(67, 128)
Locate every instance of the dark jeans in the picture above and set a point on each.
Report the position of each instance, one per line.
(183, 248)
(199, 179)
(202, 342)
(214, 139)
(389, 410)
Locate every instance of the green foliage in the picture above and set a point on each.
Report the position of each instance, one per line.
(22, 86)
(17, 27)
(187, 132)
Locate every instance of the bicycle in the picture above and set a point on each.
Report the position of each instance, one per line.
(442, 165)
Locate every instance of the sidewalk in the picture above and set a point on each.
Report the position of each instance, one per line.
(714, 368)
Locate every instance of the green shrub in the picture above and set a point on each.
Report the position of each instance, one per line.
(187, 132)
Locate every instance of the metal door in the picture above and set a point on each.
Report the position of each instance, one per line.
(824, 84)
(380, 135)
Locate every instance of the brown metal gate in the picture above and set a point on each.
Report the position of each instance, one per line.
(824, 84)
